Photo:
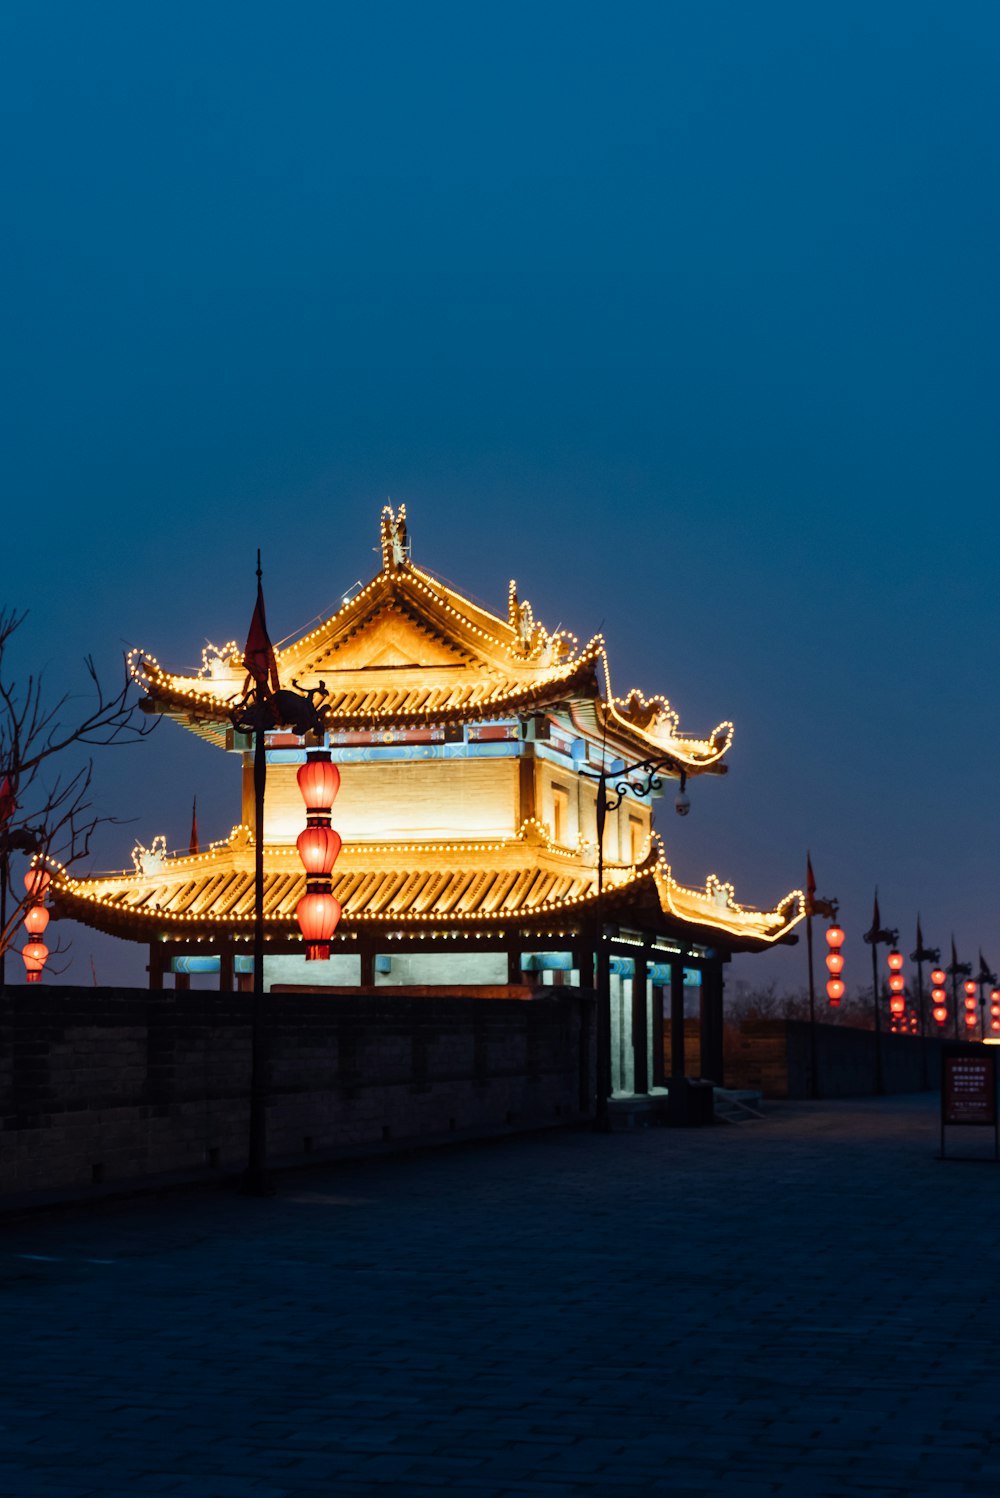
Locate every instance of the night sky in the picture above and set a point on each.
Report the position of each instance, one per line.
(684, 315)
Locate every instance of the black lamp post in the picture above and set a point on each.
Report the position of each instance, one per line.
(921, 955)
(956, 970)
(263, 707)
(640, 779)
(985, 979)
(877, 937)
(828, 908)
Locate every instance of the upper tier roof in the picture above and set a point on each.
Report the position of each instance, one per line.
(408, 650)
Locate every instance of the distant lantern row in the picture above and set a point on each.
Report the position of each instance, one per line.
(835, 988)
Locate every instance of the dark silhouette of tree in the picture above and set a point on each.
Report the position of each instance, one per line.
(46, 812)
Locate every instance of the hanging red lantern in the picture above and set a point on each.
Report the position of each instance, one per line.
(317, 914)
(835, 963)
(940, 1014)
(914, 1024)
(897, 1004)
(319, 780)
(995, 995)
(36, 919)
(319, 848)
(895, 961)
(970, 1019)
(938, 975)
(897, 983)
(969, 987)
(34, 955)
(835, 991)
(834, 936)
(995, 1022)
(37, 881)
(939, 995)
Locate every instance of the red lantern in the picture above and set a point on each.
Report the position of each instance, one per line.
(970, 988)
(938, 976)
(895, 961)
(970, 1020)
(995, 1022)
(835, 963)
(319, 780)
(835, 937)
(36, 919)
(317, 914)
(939, 995)
(319, 848)
(897, 983)
(995, 995)
(35, 955)
(835, 991)
(37, 881)
(897, 1003)
(940, 1014)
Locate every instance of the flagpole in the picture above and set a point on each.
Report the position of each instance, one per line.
(810, 891)
(256, 1179)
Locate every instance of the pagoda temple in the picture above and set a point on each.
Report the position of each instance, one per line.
(471, 748)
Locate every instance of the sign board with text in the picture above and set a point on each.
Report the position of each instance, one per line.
(969, 1089)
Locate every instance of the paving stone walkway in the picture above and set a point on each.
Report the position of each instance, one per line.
(805, 1306)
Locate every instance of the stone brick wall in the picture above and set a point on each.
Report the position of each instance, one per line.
(773, 1057)
(108, 1084)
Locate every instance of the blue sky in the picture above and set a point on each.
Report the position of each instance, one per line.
(685, 315)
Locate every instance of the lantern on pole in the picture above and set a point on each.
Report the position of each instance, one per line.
(939, 996)
(970, 992)
(835, 965)
(897, 987)
(318, 912)
(35, 953)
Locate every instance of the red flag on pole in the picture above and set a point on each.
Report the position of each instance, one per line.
(8, 803)
(810, 877)
(876, 916)
(193, 844)
(920, 937)
(258, 657)
(954, 954)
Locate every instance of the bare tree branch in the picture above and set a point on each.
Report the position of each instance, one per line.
(47, 813)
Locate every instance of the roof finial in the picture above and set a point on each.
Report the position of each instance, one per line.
(395, 543)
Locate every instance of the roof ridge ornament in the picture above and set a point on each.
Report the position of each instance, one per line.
(394, 537)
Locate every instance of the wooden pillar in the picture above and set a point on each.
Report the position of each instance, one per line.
(640, 1030)
(248, 808)
(226, 967)
(677, 1017)
(367, 955)
(182, 982)
(155, 966)
(659, 1070)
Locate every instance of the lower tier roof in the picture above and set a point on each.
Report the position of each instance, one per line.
(419, 888)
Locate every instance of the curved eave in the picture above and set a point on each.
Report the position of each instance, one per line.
(687, 752)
